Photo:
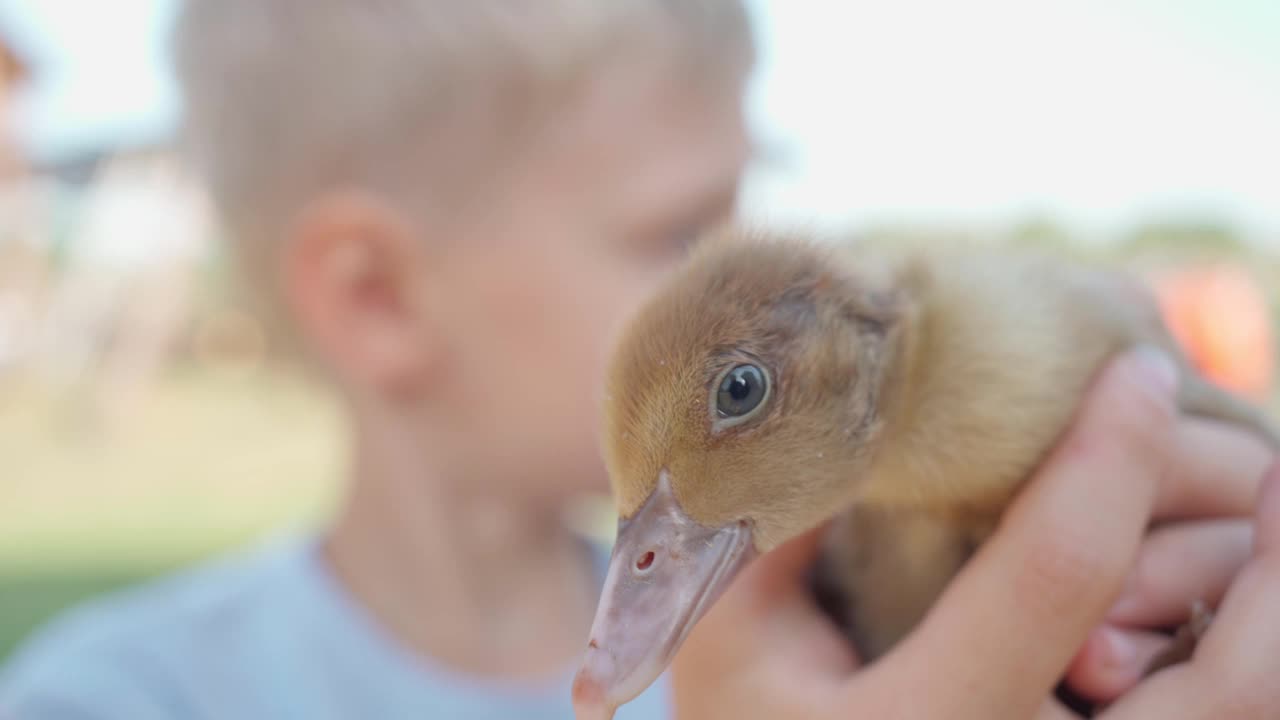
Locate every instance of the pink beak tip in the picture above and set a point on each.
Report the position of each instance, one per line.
(589, 698)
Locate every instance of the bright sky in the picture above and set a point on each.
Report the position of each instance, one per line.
(1094, 110)
(102, 70)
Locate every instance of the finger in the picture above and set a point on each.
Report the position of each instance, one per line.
(1233, 671)
(1215, 473)
(1113, 660)
(1172, 693)
(1051, 709)
(1179, 565)
(779, 573)
(1267, 537)
(1058, 558)
(792, 559)
(768, 613)
(1244, 636)
(802, 636)
(1232, 674)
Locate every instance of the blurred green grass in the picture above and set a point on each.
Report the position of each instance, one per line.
(208, 462)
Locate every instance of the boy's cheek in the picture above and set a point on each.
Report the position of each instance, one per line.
(543, 324)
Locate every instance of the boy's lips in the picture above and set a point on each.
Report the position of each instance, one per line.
(665, 572)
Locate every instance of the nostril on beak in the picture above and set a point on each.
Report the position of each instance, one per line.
(645, 561)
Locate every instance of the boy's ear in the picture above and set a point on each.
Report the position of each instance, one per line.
(350, 264)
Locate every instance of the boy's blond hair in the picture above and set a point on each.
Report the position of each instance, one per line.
(285, 98)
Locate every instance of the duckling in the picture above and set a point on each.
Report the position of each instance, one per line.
(779, 383)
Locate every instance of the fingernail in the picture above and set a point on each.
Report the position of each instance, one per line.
(1157, 370)
(1119, 649)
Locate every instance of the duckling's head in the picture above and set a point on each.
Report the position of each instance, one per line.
(742, 408)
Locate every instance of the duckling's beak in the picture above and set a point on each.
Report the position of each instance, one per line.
(665, 572)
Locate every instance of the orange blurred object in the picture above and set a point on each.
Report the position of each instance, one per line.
(1222, 319)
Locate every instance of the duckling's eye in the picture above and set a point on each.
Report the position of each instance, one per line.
(742, 390)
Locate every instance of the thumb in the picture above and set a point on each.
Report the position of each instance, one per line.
(782, 570)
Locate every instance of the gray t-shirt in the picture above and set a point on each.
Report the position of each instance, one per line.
(268, 634)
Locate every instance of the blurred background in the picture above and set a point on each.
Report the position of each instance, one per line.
(147, 418)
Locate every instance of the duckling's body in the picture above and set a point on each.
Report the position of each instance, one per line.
(779, 383)
(996, 354)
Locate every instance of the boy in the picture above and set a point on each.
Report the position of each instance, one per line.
(455, 204)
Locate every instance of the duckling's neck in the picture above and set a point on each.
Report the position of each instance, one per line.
(903, 401)
(970, 401)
